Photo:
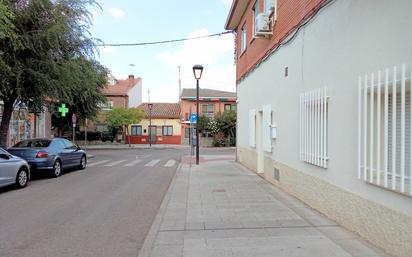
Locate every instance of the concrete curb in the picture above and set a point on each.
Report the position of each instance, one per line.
(147, 246)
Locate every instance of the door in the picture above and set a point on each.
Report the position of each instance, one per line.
(152, 134)
(71, 153)
(7, 169)
(59, 147)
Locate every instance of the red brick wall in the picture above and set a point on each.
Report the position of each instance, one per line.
(289, 14)
(185, 106)
(167, 140)
(119, 101)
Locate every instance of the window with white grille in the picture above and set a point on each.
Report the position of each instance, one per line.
(384, 128)
(314, 127)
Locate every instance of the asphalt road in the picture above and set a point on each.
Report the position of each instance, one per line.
(105, 210)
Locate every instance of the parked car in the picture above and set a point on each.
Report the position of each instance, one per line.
(13, 170)
(107, 136)
(52, 155)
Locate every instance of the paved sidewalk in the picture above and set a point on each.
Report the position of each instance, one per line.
(219, 209)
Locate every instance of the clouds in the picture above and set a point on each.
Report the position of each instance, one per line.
(116, 12)
(212, 53)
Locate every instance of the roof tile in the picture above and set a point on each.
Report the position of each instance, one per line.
(162, 110)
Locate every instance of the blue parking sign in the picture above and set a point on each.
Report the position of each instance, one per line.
(193, 118)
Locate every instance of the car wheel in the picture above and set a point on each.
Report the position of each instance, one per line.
(57, 169)
(83, 162)
(22, 178)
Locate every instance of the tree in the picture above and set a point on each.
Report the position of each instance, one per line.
(203, 123)
(226, 125)
(118, 118)
(89, 81)
(40, 60)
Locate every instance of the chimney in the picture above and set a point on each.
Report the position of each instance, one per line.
(131, 76)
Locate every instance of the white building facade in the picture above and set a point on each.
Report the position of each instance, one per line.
(318, 118)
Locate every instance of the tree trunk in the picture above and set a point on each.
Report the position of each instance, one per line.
(5, 121)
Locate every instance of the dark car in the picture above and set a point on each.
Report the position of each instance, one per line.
(50, 154)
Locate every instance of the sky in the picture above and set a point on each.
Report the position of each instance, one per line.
(131, 21)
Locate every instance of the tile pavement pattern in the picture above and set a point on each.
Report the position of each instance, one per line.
(219, 209)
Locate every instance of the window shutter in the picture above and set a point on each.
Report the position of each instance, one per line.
(267, 122)
(252, 128)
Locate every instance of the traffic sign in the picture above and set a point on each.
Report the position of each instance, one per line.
(74, 119)
(193, 118)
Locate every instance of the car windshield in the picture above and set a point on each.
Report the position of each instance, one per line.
(36, 143)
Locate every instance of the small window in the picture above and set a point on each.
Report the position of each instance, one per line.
(267, 6)
(256, 12)
(244, 40)
(136, 130)
(227, 107)
(167, 130)
(68, 144)
(36, 143)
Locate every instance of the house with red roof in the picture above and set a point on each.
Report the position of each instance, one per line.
(125, 93)
(161, 125)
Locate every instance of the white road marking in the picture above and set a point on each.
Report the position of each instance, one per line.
(96, 163)
(143, 156)
(170, 163)
(152, 163)
(133, 163)
(114, 163)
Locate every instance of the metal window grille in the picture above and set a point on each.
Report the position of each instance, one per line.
(384, 128)
(314, 127)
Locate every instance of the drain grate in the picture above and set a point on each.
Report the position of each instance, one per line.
(220, 190)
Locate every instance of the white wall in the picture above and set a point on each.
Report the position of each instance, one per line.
(135, 95)
(346, 39)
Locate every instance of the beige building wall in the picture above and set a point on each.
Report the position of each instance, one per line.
(161, 122)
(347, 39)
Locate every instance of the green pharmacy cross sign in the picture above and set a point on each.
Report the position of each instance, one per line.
(63, 110)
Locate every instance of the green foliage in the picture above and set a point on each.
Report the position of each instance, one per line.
(6, 17)
(203, 123)
(121, 117)
(47, 54)
(225, 126)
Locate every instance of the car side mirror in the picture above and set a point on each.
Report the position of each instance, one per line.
(4, 156)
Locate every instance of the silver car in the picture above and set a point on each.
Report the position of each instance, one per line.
(13, 170)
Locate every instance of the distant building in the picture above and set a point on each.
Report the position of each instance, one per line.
(125, 93)
(165, 125)
(324, 111)
(211, 102)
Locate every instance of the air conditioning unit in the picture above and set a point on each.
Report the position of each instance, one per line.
(262, 24)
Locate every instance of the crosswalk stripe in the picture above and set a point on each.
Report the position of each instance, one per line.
(97, 163)
(114, 163)
(130, 164)
(170, 163)
(152, 163)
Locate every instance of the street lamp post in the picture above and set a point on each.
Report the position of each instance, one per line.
(150, 124)
(197, 72)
